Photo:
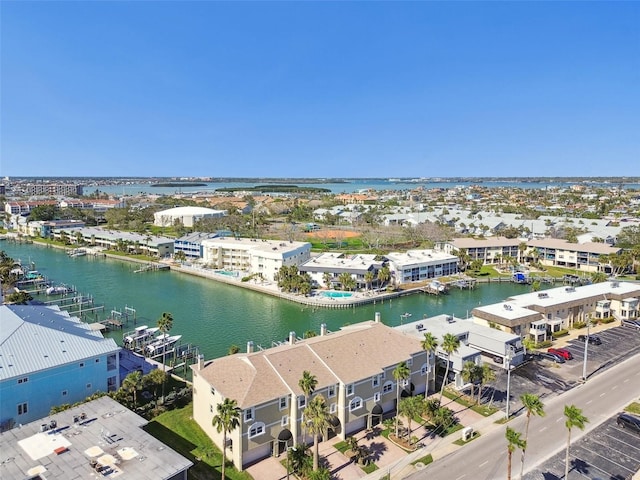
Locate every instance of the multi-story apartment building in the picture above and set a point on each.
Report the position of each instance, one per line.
(537, 314)
(580, 256)
(420, 265)
(52, 189)
(48, 359)
(354, 372)
(248, 256)
(336, 264)
(153, 245)
(490, 250)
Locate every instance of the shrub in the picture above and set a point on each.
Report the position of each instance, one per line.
(545, 344)
(560, 333)
(578, 325)
(607, 320)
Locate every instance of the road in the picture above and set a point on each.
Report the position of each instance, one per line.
(486, 457)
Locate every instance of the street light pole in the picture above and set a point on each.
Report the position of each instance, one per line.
(507, 358)
(586, 343)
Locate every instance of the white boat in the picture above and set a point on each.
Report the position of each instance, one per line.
(438, 286)
(58, 290)
(77, 252)
(140, 334)
(163, 343)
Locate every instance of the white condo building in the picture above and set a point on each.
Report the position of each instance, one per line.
(420, 265)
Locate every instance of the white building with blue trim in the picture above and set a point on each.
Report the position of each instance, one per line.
(48, 358)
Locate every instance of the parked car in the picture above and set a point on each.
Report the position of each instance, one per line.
(593, 339)
(626, 420)
(631, 323)
(552, 357)
(563, 352)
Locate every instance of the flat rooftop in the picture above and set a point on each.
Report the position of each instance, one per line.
(98, 439)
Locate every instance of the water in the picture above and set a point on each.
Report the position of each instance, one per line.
(214, 315)
(351, 186)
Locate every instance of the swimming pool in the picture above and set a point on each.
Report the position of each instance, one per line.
(336, 294)
(226, 273)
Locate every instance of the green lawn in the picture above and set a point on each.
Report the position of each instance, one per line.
(633, 408)
(426, 460)
(179, 431)
(483, 410)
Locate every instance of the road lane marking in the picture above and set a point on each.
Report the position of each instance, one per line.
(483, 464)
(602, 394)
(560, 419)
(625, 380)
(589, 402)
(461, 476)
(542, 429)
(614, 387)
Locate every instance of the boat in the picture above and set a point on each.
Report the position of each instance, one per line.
(139, 334)
(163, 343)
(438, 286)
(77, 252)
(57, 290)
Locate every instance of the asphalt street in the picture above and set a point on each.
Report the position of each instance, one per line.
(600, 398)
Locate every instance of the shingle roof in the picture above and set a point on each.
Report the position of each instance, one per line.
(34, 338)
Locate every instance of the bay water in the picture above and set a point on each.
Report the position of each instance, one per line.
(214, 315)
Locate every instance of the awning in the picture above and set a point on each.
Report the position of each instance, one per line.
(285, 435)
(376, 410)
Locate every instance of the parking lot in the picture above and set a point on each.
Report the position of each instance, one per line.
(544, 378)
(608, 452)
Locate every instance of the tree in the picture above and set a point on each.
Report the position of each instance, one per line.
(513, 441)
(429, 345)
(410, 408)
(384, 274)
(534, 406)
(154, 378)
(450, 344)
(317, 419)
(307, 384)
(400, 374)
(165, 324)
(326, 278)
(574, 418)
(471, 373)
(131, 384)
(485, 375)
(368, 278)
(226, 420)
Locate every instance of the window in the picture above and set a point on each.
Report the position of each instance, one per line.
(349, 389)
(284, 403)
(248, 414)
(111, 384)
(213, 391)
(23, 380)
(410, 362)
(111, 362)
(81, 364)
(64, 393)
(332, 391)
(210, 408)
(333, 408)
(97, 360)
(405, 382)
(302, 402)
(424, 369)
(375, 381)
(376, 397)
(387, 387)
(23, 408)
(88, 385)
(256, 429)
(355, 404)
(285, 421)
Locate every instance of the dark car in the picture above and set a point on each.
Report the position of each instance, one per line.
(626, 420)
(563, 352)
(552, 357)
(593, 339)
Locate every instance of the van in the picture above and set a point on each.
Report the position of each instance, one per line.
(563, 352)
(626, 420)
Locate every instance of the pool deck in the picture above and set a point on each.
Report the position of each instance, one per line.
(314, 300)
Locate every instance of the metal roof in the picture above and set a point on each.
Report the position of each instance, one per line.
(35, 337)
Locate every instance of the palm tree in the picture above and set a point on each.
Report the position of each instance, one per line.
(534, 406)
(131, 384)
(384, 275)
(326, 278)
(486, 375)
(368, 278)
(450, 344)
(410, 408)
(318, 419)
(165, 324)
(470, 373)
(429, 345)
(307, 384)
(513, 441)
(226, 420)
(400, 373)
(574, 419)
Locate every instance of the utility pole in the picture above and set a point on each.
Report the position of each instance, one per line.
(507, 359)
(586, 344)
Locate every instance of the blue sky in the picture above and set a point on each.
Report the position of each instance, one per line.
(320, 89)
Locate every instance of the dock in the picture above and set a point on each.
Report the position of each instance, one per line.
(152, 267)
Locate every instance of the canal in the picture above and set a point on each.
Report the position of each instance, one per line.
(214, 315)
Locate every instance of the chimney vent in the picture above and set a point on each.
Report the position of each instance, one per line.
(292, 338)
(323, 329)
(200, 362)
(249, 346)
(377, 317)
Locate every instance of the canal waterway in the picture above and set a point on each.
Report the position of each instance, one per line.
(214, 315)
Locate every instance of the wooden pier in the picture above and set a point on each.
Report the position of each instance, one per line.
(152, 267)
